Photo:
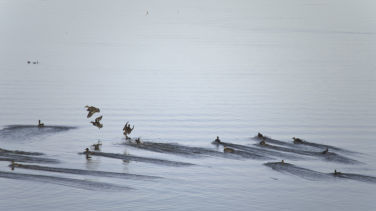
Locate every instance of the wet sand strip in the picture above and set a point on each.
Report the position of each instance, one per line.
(83, 172)
(329, 156)
(139, 159)
(76, 183)
(315, 175)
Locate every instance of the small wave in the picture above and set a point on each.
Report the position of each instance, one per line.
(260, 152)
(22, 132)
(76, 183)
(316, 175)
(139, 159)
(298, 171)
(192, 151)
(83, 172)
(329, 156)
(301, 144)
(2, 151)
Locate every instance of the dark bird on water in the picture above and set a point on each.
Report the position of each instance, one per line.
(336, 172)
(40, 124)
(297, 140)
(92, 110)
(217, 140)
(87, 153)
(325, 151)
(138, 141)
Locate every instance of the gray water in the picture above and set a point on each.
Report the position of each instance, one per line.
(185, 72)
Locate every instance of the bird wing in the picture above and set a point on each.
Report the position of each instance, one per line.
(90, 114)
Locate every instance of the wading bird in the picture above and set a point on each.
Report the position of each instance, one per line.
(87, 153)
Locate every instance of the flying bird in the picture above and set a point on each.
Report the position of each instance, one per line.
(92, 110)
(97, 123)
(127, 130)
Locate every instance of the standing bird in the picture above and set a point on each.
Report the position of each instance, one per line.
(96, 122)
(92, 110)
(217, 141)
(40, 124)
(87, 153)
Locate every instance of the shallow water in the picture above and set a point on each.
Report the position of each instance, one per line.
(185, 73)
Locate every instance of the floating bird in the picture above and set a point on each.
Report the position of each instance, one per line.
(96, 123)
(138, 141)
(217, 140)
(92, 110)
(260, 135)
(40, 124)
(297, 140)
(336, 172)
(283, 161)
(228, 150)
(325, 151)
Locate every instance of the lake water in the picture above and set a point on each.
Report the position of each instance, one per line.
(185, 72)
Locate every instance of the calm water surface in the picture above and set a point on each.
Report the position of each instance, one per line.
(185, 73)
